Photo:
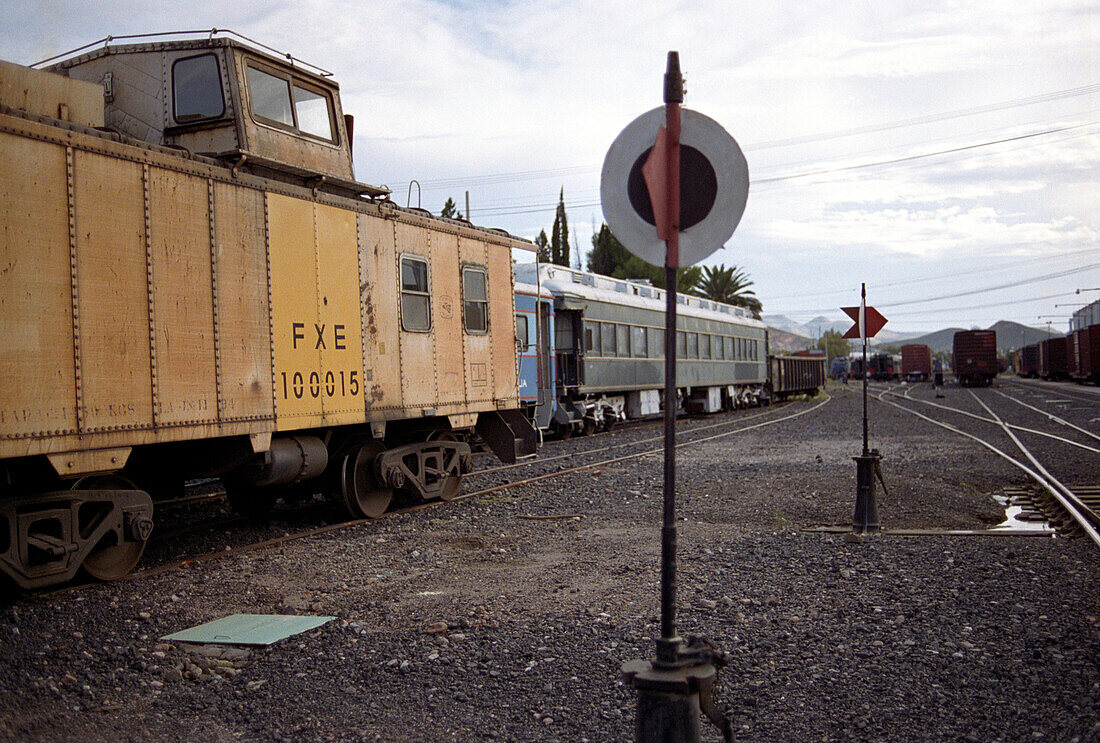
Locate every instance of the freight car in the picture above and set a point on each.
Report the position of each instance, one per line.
(1087, 354)
(883, 366)
(916, 362)
(839, 367)
(1029, 361)
(196, 285)
(1053, 363)
(609, 345)
(974, 357)
(795, 375)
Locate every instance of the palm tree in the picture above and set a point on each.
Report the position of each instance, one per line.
(729, 285)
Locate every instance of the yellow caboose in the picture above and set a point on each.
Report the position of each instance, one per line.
(192, 283)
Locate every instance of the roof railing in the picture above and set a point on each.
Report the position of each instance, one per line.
(209, 33)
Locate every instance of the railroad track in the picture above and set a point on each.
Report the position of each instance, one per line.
(740, 425)
(1065, 509)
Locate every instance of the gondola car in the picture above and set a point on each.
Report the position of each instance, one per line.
(795, 374)
(196, 285)
(609, 348)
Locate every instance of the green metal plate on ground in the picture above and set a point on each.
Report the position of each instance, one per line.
(248, 629)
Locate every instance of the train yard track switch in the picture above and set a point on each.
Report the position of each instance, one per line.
(868, 322)
(673, 188)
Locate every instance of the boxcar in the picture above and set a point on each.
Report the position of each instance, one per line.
(1029, 361)
(1087, 354)
(916, 362)
(609, 345)
(206, 290)
(974, 357)
(1052, 359)
(795, 375)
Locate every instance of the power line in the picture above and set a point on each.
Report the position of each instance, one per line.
(521, 175)
(940, 277)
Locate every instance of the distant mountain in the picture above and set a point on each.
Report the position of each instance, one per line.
(1010, 335)
(816, 328)
(781, 340)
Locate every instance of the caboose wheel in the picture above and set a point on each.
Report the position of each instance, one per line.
(452, 484)
(364, 497)
(110, 559)
(113, 562)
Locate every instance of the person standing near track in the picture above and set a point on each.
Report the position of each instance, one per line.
(937, 377)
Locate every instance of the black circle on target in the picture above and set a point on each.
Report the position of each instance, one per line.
(698, 188)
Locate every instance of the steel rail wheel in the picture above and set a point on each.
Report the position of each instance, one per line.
(364, 497)
(110, 559)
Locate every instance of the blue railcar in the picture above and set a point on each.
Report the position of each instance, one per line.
(535, 353)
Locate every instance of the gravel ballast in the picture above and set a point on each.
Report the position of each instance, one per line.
(469, 622)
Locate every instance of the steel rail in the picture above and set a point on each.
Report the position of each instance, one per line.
(543, 460)
(229, 552)
(1050, 416)
(1029, 471)
(1074, 506)
(975, 416)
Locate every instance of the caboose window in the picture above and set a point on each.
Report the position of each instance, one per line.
(416, 314)
(197, 89)
(284, 101)
(475, 300)
(270, 97)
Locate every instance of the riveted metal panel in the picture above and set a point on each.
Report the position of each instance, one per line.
(418, 351)
(113, 304)
(244, 345)
(37, 378)
(179, 237)
(502, 323)
(338, 332)
(380, 311)
(478, 370)
(294, 315)
(447, 298)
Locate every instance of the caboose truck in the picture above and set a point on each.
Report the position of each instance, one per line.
(193, 283)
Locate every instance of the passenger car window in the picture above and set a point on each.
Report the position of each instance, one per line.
(622, 340)
(704, 346)
(607, 339)
(637, 342)
(475, 300)
(692, 346)
(197, 89)
(591, 336)
(521, 333)
(415, 302)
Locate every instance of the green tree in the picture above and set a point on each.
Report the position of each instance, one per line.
(559, 238)
(542, 251)
(730, 286)
(608, 257)
(834, 344)
(450, 211)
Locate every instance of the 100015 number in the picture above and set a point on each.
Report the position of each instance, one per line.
(317, 384)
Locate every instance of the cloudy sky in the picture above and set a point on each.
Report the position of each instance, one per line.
(944, 153)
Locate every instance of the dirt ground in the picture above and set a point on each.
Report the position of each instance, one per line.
(473, 621)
